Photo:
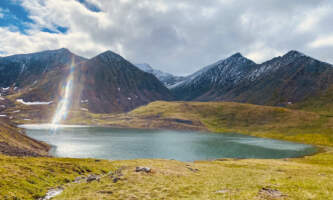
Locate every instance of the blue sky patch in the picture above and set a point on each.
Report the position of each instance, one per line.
(90, 6)
(59, 29)
(14, 16)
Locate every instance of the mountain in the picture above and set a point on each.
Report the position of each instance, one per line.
(213, 81)
(109, 83)
(24, 69)
(283, 80)
(166, 78)
(103, 84)
(36, 76)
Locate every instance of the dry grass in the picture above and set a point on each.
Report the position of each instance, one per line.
(301, 178)
(263, 121)
(12, 136)
(230, 179)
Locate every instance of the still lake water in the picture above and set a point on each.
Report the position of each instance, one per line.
(123, 144)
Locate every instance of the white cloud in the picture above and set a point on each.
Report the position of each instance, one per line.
(313, 17)
(177, 36)
(323, 41)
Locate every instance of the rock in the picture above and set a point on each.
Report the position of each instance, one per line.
(79, 179)
(91, 178)
(105, 192)
(271, 193)
(193, 169)
(115, 179)
(222, 191)
(143, 169)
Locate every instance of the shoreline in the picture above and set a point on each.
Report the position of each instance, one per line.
(317, 148)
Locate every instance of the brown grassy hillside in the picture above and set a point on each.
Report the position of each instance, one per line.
(14, 142)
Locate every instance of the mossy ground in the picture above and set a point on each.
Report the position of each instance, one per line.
(230, 179)
(30, 178)
(301, 178)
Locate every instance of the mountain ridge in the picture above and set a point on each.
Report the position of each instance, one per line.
(23, 69)
(110, 83)
(264, 83)
(283, 80)
(221, 74)
(166, 78)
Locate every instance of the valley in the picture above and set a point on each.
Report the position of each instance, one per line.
(292, 178)
(113, 93)
(166, 100)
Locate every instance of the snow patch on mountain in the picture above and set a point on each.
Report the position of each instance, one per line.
(227, 70)
(274, 64)
(33, 103)
(166, 78)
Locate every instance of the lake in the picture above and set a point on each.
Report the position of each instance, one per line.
(123, 144)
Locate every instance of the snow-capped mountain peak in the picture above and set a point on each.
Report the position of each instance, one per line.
(293, 54)
(219, 75)
(218, 71)
(166, 78)
(145, 67)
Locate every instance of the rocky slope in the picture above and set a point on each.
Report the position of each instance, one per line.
(109, 83)
(283, 80)
(103, 84)
(291, 78)
(166, 78)
(18, 71)
(215, 80)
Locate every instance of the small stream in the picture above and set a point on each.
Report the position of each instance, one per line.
(52, 193)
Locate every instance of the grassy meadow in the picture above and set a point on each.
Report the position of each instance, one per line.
(298, 178)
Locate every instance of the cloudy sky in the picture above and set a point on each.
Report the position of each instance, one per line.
(176, 36)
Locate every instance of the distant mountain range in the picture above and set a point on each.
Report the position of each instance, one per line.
(109, 83)
(103, 84)
(166, 78)
(284, 80)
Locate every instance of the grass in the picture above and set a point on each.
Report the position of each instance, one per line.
(322, 103)
(30, 178)
(262, 121)
(11, 137)
(297, 125)
(235, 179)
(298, 178)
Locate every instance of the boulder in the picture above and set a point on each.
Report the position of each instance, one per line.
(143, 169)
(93, 177)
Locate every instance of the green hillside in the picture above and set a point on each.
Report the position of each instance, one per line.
(299, 178)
